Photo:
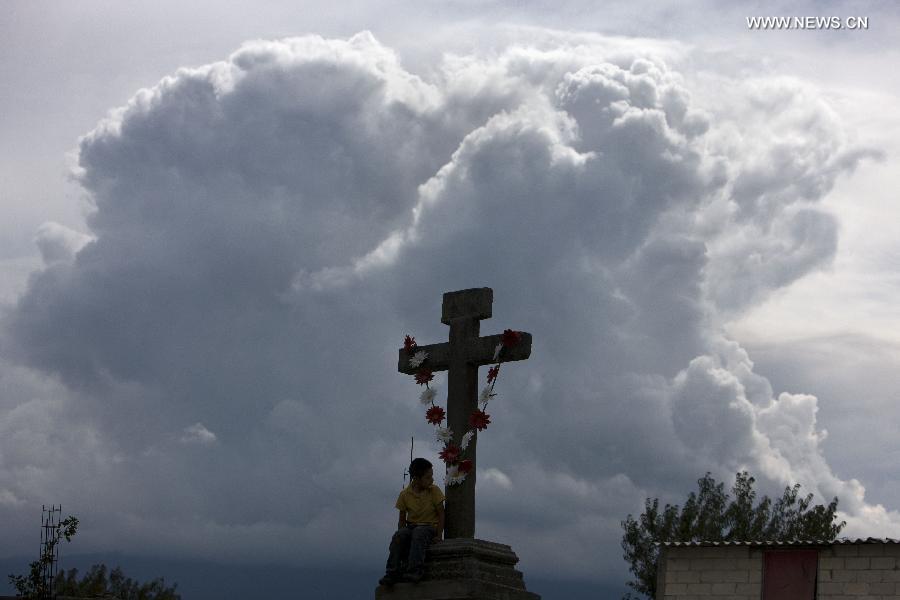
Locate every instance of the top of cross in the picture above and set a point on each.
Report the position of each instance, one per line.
(474, 303)
(470, 305)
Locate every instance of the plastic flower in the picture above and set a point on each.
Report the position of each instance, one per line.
(464, 442)
(485, 396)
(454, 477)
(427, 395)
(434, 415)
(424, 376)
(449, 454)
(444, 435)
(465, 466)
(479, 420)
(418, 358)
(409, 343)
(510, 338)
(492, 373)
(497, 350)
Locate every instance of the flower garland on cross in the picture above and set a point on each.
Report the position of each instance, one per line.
(456, 466)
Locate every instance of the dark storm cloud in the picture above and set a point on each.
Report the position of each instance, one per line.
(268, 227)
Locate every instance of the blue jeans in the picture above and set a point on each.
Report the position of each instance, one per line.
(408, 545)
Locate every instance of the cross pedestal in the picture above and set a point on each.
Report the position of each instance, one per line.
(461, 567)
(464, 569)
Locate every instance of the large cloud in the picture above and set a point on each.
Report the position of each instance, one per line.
(268, 227)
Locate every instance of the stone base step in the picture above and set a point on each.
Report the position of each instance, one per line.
(464, 569)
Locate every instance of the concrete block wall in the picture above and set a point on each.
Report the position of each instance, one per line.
(854, 572)
(711, 573)
(845, 572)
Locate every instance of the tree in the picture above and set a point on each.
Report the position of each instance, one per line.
(711, 515)
(96, 584)
(34, 585)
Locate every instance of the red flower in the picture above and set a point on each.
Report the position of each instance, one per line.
(409, 343)
(465, 466)
(434, 415)
(479, 420)
(449, 454)
(424, 376)
(492, 373)
(511, 338)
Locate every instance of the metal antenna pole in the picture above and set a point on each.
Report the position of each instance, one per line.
(49, 555)
(406, 470)
(47, 550)
(53, 565)
(43, 538)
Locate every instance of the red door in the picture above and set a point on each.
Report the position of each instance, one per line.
(790, 574)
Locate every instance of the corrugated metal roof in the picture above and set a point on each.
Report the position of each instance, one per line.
(842, 541)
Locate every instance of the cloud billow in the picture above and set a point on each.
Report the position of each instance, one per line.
(268, 227)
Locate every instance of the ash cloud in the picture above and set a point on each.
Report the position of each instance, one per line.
(268, 227)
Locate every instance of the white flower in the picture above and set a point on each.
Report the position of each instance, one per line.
(456, 480)
(452, 471)
(497, 351)
(427, 395)
(454, 477)
(418, 358)
(444, 434)
(464, 443)
(485, 396)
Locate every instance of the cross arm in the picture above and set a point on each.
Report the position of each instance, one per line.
(438, 358)
(478, 351)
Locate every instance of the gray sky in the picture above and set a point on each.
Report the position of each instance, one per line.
(220, 221)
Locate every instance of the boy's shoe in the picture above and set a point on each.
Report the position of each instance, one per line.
(388, 579)
(413, 576)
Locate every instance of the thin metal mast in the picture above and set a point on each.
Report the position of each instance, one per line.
(406, 470)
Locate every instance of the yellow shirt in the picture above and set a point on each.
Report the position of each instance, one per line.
(420, 507)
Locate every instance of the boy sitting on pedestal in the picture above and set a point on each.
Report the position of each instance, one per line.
(421, 506)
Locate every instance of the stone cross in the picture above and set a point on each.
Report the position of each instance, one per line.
(461, 357)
